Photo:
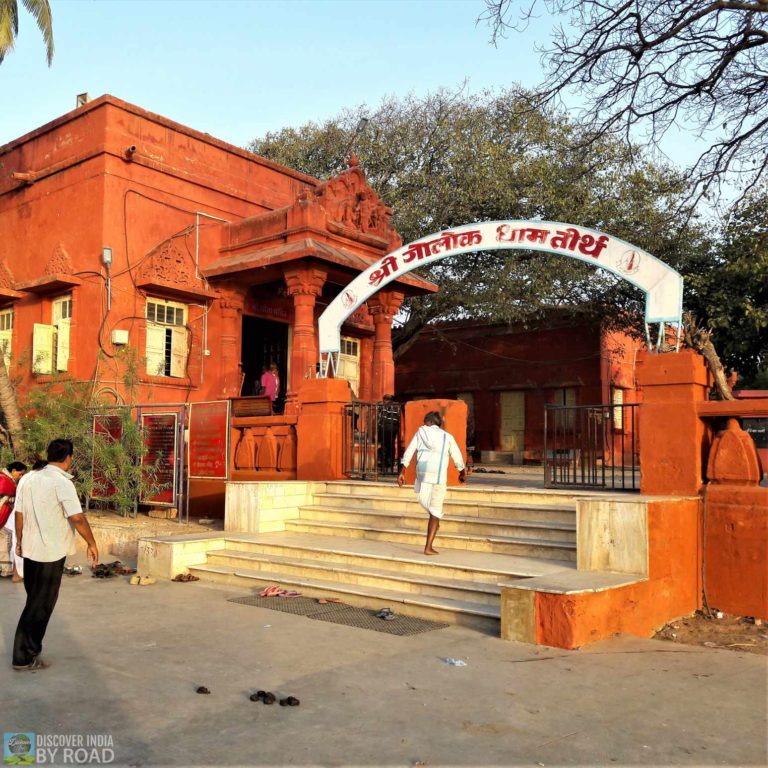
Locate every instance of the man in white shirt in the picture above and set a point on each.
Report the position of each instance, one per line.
(432, 446)
(48, 512)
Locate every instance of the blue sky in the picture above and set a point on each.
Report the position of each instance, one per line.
(237, 68)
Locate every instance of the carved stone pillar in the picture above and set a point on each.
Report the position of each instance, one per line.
(383, 306)
(230, 341)
(305, 284)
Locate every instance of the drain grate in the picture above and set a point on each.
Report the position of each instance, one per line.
(341, 613)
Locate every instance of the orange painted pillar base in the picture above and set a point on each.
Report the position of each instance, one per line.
(736, 536)
(672, 436)
(454, 413)
(320, 428)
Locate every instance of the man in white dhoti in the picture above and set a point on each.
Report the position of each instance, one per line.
(433, 447)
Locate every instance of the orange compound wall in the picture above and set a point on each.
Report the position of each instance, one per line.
(672, 589)
(736, 550)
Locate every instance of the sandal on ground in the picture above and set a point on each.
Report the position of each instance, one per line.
(386, 614)
(146, 581)
(291, 701)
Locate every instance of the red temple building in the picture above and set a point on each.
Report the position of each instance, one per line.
(507, 375)
(122, 229)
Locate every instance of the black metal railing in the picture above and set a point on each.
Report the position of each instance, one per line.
(592, 446)
(371, 444)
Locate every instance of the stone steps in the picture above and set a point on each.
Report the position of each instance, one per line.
(435, 607)
(348, 552)
(486, 494)
(362, 542)
(406, 503)
(527, 547)
(415, 521)
(280, 566)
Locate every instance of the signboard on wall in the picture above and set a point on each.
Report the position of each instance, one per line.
(110, 429)
(209, 440)
(160, 433)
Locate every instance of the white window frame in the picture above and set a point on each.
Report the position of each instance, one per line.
(6, 334)
(167, 342)
(349, 362)
(50, 343)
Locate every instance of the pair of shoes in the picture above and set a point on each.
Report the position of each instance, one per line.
(34, 666)
(387, 614)
(143, 581)
(267, 697)
(291, 701)
(101, 571)
(72, 570)
(185, 577)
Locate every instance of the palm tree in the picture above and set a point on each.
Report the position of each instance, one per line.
(9, 24)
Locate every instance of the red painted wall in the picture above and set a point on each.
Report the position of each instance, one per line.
(488, 359)
(89, 195)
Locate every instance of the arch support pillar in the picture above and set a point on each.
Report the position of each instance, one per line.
(383, 307)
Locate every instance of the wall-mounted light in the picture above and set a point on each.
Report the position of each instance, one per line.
(106, 258)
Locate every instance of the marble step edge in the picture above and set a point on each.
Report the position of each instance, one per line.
(522, 506)
(363, 570)
(295, 523)
(451, 517)
(329, 588)
(331, 547)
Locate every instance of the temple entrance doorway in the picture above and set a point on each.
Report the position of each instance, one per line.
(264, 342)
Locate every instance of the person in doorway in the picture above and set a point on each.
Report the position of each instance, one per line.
(48, 512)
(269, 383)
(433, 446)
(9, 477)
(277, 402)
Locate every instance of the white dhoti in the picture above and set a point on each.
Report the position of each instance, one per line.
(431, 497)
(6, 556)
(10, 530)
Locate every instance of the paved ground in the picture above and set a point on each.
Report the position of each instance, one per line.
(126, 662)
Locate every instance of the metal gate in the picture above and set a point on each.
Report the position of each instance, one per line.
(372, 442)
(591, 446)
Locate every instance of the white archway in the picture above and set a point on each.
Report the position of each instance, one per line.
(662, 285)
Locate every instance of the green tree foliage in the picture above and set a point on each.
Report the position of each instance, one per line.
(452, 158)
(9, 24)
(62, 407)
(730, 291)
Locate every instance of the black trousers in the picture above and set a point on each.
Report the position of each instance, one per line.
(42, 582)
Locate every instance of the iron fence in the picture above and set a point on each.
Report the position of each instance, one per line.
(592, 446)
(371, 440)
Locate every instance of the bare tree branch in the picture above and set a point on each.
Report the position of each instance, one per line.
(641, 67)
